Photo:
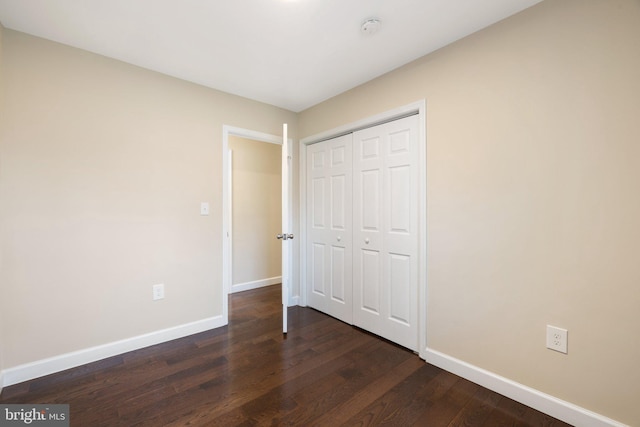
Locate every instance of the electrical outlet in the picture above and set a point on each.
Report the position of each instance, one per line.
(557, 339)
(158, 291)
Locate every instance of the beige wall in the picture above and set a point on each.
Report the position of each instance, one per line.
(256, 217)
(2, 300)
(103, 166)
(533, 204)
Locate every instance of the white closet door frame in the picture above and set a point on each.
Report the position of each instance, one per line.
(418, 108)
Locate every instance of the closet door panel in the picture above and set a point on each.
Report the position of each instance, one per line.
(338, 275)
(370, 281)
(329, 194)
(318, 204)
(338, 208)
(318, 284)
(385, 223)
(400, 292)
(370, 187)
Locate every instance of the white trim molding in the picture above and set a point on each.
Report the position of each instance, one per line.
(74, 359)
(246, 286)
(550, 405)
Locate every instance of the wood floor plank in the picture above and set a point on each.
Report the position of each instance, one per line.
(444, 409)
(322, 373)
(238, 391)
(315, 391)
(476, 412)
(367, 364)
(404, 403)
(507, 413)
(341, 412)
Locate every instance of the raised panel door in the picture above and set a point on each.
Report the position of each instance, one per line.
(385, 230)
(329, 234)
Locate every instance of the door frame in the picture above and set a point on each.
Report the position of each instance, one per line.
(228, 131)
(419, 108)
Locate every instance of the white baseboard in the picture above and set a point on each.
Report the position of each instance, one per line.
(557, 408)
(59, 363)
(246, 286)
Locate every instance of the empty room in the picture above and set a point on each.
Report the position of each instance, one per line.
(441, 229)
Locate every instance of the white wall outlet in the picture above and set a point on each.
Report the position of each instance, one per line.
(557, 339)
(204, 208)
(158, 292)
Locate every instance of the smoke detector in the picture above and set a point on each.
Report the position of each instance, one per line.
(370, 26)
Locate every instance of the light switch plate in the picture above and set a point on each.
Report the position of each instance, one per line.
(158, 291)
(204, 208)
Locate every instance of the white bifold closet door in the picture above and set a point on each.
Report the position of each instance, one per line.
(385, 230)
(362, 228)
(329, 216)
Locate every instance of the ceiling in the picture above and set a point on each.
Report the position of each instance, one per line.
(289, 53)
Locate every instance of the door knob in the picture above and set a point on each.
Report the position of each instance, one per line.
(284, 236)
(366, 240)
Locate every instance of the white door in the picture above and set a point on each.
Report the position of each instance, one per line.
(329, 231)
(286, 234)
(385, 230)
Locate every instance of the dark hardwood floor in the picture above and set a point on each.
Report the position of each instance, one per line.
(324, 373)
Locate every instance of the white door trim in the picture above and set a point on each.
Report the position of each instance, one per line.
(226, 204)
(419, 108)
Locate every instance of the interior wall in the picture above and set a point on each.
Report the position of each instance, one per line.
(103, 166)
(533, 163)
(2, 300)
(256, 210)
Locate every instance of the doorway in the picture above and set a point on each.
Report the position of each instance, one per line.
(256, 214)
(230, 133)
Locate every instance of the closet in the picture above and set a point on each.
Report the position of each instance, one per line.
(362, 229)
